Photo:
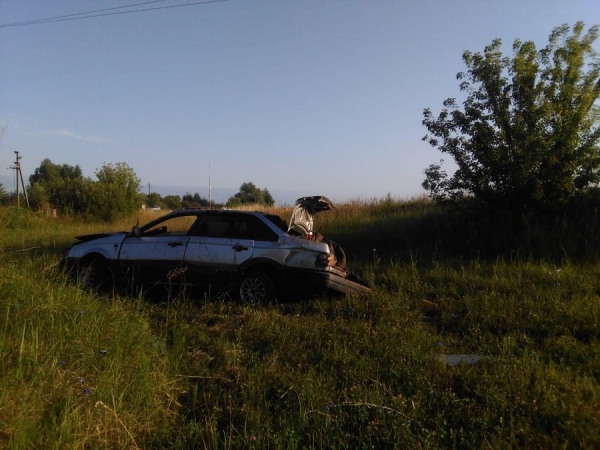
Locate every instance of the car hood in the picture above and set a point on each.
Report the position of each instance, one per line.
(305, 210)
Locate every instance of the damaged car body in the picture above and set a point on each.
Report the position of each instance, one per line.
(256, 254)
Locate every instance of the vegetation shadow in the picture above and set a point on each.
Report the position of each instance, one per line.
(473, 232)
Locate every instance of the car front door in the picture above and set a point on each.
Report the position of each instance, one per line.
(156, 255)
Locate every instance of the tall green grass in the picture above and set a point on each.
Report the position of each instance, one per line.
(421, 231)
(83, 370)
(76, 371)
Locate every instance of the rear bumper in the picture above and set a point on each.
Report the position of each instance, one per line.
(345, 286)
(320, 281)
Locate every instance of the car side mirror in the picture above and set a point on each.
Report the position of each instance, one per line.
(135, 231)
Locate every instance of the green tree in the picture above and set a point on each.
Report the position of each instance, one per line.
(50, 173)
(249, 194)
(193, 201)
(268, 198)
(38, 196)
(115, 194)
(59, 186)
(172, 201)
(234, 202)
(527, 132)
(153, 199)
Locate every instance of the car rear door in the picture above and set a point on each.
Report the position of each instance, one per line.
(219, 243)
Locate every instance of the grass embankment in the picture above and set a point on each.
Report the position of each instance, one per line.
(82, 370)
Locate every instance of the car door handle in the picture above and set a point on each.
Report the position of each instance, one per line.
(175, 244)
(239, 248)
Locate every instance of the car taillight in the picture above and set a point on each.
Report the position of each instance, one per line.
(324, 260)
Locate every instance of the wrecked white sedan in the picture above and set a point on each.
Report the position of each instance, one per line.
(255, 254)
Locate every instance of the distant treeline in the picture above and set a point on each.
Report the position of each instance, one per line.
(113, 194)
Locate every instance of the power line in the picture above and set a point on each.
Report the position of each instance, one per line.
(50, 19)
(103, 13)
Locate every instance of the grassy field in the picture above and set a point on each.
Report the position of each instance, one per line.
(522, 292)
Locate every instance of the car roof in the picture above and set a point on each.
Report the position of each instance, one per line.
(181, 212)
(196, 211)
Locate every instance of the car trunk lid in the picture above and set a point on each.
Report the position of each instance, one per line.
(305, 210)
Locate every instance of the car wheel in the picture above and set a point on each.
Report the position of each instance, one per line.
(94, 274)
(257, 288)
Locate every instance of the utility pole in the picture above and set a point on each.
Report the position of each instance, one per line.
(209, 189)
(148, 189)
(3, 130)
(19, 176)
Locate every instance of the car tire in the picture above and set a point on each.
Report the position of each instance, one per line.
(257, 289)
(94, 273)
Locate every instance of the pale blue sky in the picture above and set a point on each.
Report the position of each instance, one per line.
(302, 97)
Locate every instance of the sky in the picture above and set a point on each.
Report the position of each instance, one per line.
(300, 97)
